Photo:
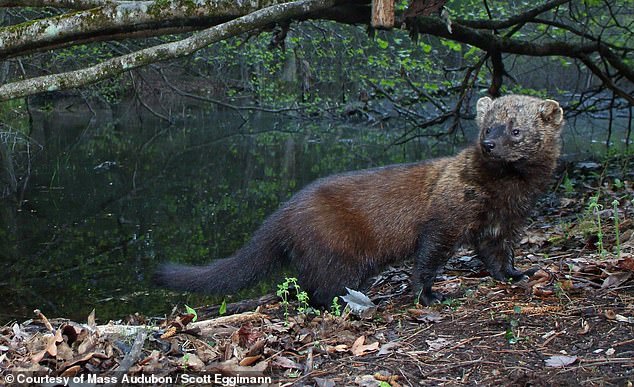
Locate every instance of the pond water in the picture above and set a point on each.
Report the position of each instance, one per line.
(109, 199)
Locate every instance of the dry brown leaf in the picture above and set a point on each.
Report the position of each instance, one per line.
(83, 359)
(249, 360)
(359, 348)
(232, 368)
(64, 352)
(336, 348)
(70, 372)
(616, 279)
(284, 362)
(585, 328)
(391, 379)
(169, 332)
(89, 343)
(257, 348)
(91, 320)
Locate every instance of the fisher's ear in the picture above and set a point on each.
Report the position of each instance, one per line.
(482, 107)
(551, 112)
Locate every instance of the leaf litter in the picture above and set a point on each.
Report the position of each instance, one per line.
(571, 323)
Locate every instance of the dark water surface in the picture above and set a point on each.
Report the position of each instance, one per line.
(108, 201)
(110, 197)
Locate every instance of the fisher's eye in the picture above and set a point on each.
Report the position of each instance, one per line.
(487, 131)
(515, 132)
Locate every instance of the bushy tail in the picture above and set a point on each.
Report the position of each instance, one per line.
(246, 267)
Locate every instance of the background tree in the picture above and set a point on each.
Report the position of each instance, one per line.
(580, 51)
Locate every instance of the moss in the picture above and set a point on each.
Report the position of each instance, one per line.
(158, 7)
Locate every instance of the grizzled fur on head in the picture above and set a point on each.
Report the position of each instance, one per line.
(516, 128)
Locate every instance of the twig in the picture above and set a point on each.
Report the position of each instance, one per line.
(47, 323)
(132, 356)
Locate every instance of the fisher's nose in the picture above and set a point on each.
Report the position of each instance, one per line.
(488, 145)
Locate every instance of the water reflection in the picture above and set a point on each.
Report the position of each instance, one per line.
(111, 195)
(107, 200)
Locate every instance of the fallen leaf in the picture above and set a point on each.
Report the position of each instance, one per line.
(322, 382)
(425, 315)
(388, 347)
(359, 304)
(366, 381)
(284, 362)
(232, 368)
(250, 360)
(616, 279)
(560, 361)
(585, 328)
(337, 348)
(621, 318)
(70, 372)
(437, 344)
(360, 349)
(91, 320)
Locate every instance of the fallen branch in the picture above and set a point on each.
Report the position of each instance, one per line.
(197, 41)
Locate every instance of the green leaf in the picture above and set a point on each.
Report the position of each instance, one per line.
(382, 43)
(223, 308)
(191, 310)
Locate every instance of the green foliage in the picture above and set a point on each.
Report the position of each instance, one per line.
(335, 307)
(568, 185)
(512, 335)
(615, 207)
(452, 303)
(191, 310)
(223, 308)
(13, 114)
(595, 208)
(284, 290)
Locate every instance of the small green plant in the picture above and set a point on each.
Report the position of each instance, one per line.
(615, 206)
(283, 291)
(568, 185)
(560, 289)
(417, 298)
(223, 308)
(511, 336)
(595, 208)
(185, 362)
(452, 303)
(335, 308)
(294, 374)
(191, 310)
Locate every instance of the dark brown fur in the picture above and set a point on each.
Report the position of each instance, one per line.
(342, 229)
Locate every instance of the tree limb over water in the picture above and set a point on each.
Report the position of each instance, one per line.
(106, 20)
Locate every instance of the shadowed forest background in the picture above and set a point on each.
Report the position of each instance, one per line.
(111, 173)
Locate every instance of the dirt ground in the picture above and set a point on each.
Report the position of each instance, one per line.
(572, 323)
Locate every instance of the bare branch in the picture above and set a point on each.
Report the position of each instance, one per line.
(115, 18)
(606, 80)
(510, 22)
(161, 52)
(71, 4)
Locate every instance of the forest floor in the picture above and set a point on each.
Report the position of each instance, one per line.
(572, 323)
